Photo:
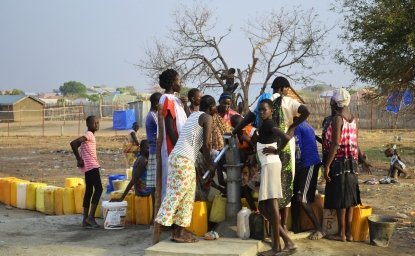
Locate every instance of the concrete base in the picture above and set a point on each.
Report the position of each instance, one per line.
(222, 246)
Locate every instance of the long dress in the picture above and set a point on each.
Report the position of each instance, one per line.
(170, 104)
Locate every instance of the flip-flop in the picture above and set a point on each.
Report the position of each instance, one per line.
(316, 235)
(290, 251)
(183, 240)
(335, 238)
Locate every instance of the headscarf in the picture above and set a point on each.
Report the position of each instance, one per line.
(225, 96)
(342, 97)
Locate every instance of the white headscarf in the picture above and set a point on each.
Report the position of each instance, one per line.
(342, 97)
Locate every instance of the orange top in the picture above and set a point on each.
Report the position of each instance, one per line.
(248, 131)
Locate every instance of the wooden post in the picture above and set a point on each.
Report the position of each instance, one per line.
(64, 112)
(79, 120)
(43, 122)
(8, 121)
(157, 194)
(371, 115)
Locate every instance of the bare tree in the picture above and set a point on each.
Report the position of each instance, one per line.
(281, 41)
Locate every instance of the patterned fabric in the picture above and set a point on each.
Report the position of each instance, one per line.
(190, 138)
(151, 171)
(348, 140)
(219, 128)
(88, 152)
(227, 116)
(141, 188)
(177, 206)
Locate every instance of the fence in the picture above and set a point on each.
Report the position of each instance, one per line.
(371, 114)
(70, 120)
(57, 120)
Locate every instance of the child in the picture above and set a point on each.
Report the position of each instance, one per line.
(396, 166)
(87, 161)
(270, 188)
(138, 179)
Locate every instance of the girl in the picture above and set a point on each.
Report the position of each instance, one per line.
(171, 118)
(87, 161)
(177, 206)
(271, 189)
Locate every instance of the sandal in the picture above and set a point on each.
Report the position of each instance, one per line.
(211, 235)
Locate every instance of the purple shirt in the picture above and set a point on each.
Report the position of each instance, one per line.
(151, 131)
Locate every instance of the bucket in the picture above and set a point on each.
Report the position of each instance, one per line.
(110, 188)
(381, 228)
(114, 214)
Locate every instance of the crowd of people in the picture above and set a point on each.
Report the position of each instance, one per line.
(279, 149)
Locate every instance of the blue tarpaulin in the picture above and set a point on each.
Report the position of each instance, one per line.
(123, 119)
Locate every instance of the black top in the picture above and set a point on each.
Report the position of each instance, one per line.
(265, 134)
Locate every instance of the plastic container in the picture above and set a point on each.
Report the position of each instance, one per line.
(49, 200)
(40, 198)
(242, 223)
(143, 209)
(114, 214)
(381, 228)
(130, 198)
(13, 191)
(74, 182)
(199, 219)
(256, 226)
(317, 207)
(129, 173)
(21, 195)
(58, 200)
(69, 201)
(119, 184)
(360, 225)
(6, 189)
(79, 192)
(110, 188)
(31, 194)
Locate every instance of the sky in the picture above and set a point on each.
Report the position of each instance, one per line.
(46, 43)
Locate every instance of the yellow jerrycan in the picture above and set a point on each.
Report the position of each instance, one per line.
(199, 224)
(143, 210)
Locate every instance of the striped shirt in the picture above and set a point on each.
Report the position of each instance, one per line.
(89, 152)
(190, 138)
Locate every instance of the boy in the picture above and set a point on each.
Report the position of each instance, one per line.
(138, 179)
(87, 161)
(396, 166)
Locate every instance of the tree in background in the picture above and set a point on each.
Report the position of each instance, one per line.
(380, 38)
(14, 92)
(127, 90)
(94, 97)
(282, 42)
(73, 89)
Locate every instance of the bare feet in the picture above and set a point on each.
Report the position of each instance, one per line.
(316, 235)
(272, 252)
(336, 238)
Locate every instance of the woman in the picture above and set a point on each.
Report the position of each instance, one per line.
(224, 108)
(177, 206)
(171, 116)
(340, 167)
(194, 95)
(131, 145)
(271, 140)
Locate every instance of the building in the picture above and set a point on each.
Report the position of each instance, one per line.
(14, 108)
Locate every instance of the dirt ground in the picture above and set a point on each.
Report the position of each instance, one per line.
(50, 160)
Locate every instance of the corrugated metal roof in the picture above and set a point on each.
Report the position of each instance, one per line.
(13, 99)
(10, 99)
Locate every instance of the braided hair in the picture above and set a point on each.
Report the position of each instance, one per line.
(166, 79)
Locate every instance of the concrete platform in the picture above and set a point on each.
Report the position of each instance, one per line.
(222, 246)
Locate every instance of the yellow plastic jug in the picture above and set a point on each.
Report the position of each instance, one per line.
(49, 199)
(31, 194)
(360, 225)
(69, 201)
(40, 199)
(79, 192)
(6, 189)
(130, 217)
(58, 200)
(199, 219)
(143, 210)
(73, 182)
